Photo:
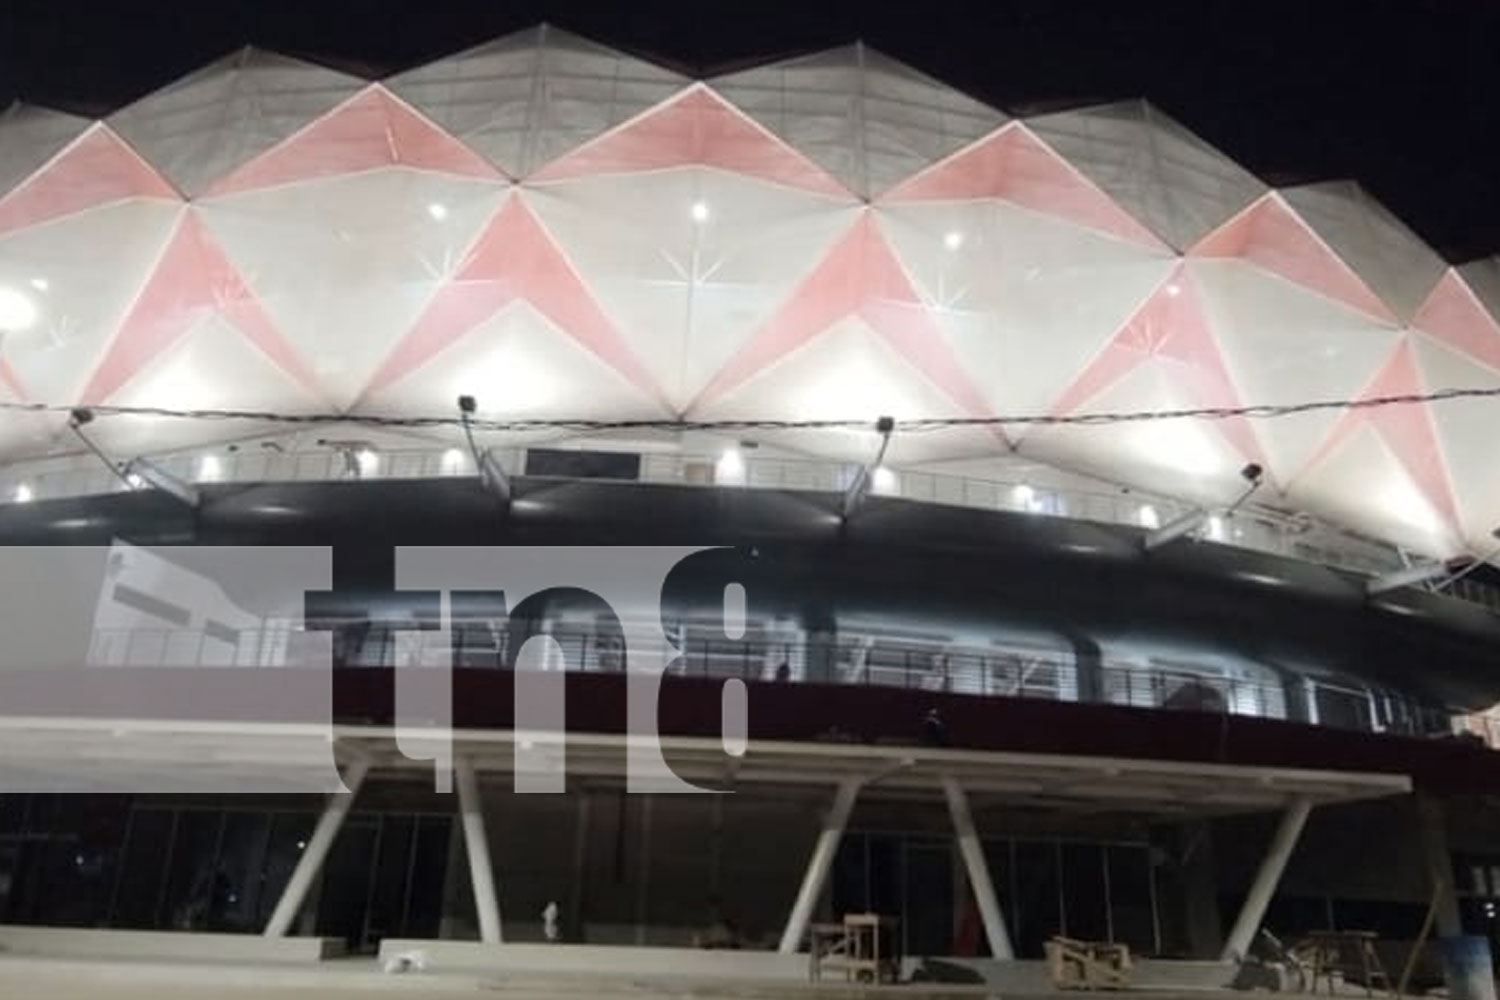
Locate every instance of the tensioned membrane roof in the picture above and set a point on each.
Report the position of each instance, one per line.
(566, 231)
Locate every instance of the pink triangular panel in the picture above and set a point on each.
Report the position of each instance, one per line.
(192, 277)
(372, 129)
(1271, 235)
(12, 381)
(1454, 315)
(860, 276)
(1406, 427)
(1171, 327)
(98, 168)
(697, 127)
(1015, 165)
(513, 258)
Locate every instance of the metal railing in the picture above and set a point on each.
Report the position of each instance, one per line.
(1256, 528)
(907, 664)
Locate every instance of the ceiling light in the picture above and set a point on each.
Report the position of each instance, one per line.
(1023, 496)
(134, 481)
(1148, 517)
(1174, 289)
(953, 240)
(730, 468)
(368, 462)
(438, 211)
(885, 481)
(40, 284)
(23, 494)
(700, 211)
(1216, 528)
(210, 468)
(17, 311)
(453, 461)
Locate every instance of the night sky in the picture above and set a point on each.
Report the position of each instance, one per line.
(1404, 98)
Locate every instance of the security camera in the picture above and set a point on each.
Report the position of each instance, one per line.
(467, 404)
(1252, 473)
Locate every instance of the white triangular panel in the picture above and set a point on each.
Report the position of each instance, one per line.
(688, 262)
(29, 137)
(1466, 431)
(520, 367)
(211, 367)
(1182, 457)
(1027, 299)
(344, 265)
(526, 99)
(81, 273)
(1388, 257)
(849, 372)
(1363, 485)
(1161, 173)
(1285, 345)
(867, 119)
(202, 127)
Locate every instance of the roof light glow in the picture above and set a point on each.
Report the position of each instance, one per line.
(1148, 517)
(210, 468)
(730, 468)
(23, 494)
(885, 481)
(700, 211)
(438, 211)
(953, 240)
(17, 311)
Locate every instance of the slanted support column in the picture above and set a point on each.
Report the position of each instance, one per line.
(477, 847)
(1266, 878)
(316, 852)
(1448, 920)
(978, 868)
(819, 865)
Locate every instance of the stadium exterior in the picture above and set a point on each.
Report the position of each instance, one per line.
(1194, 675)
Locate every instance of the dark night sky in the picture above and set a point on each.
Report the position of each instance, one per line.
(1402, 97)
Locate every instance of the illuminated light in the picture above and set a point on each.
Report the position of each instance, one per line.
(135, 481)
(17, 311)
(453, 461)
(369, 462)
(1174, 290)
(438, 211)
(953, 240)
(301, 845)
(1148, 517)
(700, 211)
(24, 494)
(730, 468)
(210, 468)
(1024, 497)
(1216, 528)
(885, 481)
(40, 284)
(1268, 580)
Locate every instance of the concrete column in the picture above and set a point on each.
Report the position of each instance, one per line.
(978, 868)
(1247, 924)
(1439, 865)
(819, 865)
(477, 847)
(316, 852)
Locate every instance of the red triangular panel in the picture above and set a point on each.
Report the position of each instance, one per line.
(1271, 235)
(96, 169)
(860, 276)
(1406, 427)
(1014, 165)
(1170, 326)
(513, 258)
(192, 278)
(372, 129)
(12, 381)
(695, 128)
(1454, 315)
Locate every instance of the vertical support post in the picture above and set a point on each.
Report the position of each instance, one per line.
(819, 865)
(979, 870)
(477, 847)
(1439, 866)
(1266, 878)
(316, 852)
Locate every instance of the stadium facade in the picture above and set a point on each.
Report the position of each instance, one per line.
(1160, 649)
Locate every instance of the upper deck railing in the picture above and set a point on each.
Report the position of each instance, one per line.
(1252, 527)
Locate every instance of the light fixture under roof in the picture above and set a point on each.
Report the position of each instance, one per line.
(953, 240)
(437, 210)
(1148, 517)
(700, 211)
(40, 284)
(24, 494)
(17, 311)
(730, 468)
